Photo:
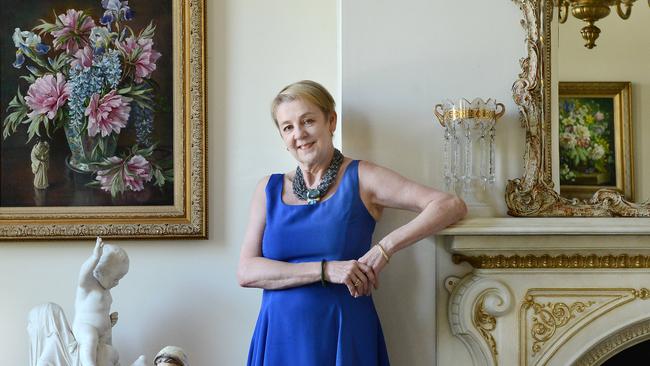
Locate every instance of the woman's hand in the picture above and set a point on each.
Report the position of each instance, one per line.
(357, 276)
(375, 261)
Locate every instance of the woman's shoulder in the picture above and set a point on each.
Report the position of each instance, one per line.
(368, 168)
(259, 195)
(264, 180)
(374, 177)
(262, 183)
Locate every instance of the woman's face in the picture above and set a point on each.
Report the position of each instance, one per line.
(306, 131)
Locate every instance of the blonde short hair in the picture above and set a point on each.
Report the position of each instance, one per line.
(306, 90)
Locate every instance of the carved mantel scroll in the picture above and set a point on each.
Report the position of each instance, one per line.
(474, 306)
(533, 193)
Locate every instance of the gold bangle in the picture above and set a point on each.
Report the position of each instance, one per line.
(383, 252)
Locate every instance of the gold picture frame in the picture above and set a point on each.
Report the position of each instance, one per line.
(595, 139)
(185, 215)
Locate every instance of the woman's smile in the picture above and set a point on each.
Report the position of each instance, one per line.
(306, 146)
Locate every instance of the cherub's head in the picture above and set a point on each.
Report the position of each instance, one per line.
(112, 266)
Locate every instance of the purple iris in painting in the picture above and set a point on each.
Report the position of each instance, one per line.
(114, 5)
(107, 18)
(128, 13)
(116, 10)
(42, 49)
(27, 43)
(20, 60)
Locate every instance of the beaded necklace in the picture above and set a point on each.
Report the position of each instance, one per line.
(312, 196)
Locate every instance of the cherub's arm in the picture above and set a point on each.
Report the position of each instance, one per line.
(86, 272)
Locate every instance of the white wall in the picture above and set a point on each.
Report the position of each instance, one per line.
(398, 60)
(622, 53)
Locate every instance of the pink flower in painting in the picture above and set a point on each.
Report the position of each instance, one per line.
(107, 115)
(108, 176)
(599, 116)
(75, 31)
(141, 54)
(46, 95)
(83, 57)
(137, 171)
(133, 174)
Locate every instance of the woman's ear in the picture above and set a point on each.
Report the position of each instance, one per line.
(332, 120)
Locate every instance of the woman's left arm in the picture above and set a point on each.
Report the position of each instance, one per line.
(381, 187)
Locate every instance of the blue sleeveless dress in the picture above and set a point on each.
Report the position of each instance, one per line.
(313, 325)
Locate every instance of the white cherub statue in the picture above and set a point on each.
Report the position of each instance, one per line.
(90, 341)
(92, 324)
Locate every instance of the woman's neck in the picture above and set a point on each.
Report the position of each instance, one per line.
(313, 173)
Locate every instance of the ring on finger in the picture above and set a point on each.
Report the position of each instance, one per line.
(356, 283)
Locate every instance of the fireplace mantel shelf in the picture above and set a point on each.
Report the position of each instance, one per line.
(512, 236)
(509, 226)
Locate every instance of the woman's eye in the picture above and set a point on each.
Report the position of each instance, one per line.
(309, 121)
(286, 128)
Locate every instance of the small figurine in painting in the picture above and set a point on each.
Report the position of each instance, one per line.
(40, 163)
(171, 356)
(92, 323)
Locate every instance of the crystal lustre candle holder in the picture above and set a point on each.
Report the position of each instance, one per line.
(469, 151)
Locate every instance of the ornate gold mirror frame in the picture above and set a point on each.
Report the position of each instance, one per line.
(533, 193)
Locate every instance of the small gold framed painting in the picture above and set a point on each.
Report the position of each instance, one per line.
(595, 138)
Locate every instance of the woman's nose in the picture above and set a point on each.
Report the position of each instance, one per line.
(300, 132)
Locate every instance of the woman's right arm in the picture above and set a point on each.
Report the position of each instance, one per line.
(256, 271)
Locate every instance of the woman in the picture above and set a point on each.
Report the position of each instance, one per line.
(308, 241)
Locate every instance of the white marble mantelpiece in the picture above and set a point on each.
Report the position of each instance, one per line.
(578, 282)
(550, 226)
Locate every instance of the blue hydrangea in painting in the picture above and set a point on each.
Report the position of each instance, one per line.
(586, 141)
(92, 77)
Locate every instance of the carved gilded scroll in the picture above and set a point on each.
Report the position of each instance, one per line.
(486, 323)
(474, 306)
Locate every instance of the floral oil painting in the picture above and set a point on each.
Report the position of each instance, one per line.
(591, 132)
(94, 110)
(85, 94)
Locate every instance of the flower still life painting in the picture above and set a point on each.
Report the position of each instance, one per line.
(90, 103)
(591, 141)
